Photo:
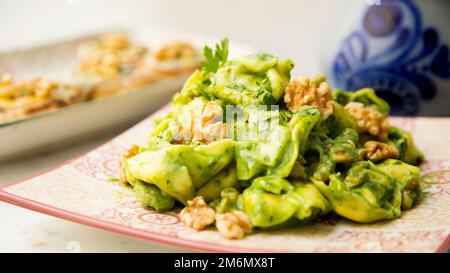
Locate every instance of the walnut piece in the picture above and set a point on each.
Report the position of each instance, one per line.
(210, 123)
(316, 93)
(132, 151)
(212, 113)
(368, 120)
(214, 132)
(205, 125)
(197, 214)
(234, 224)
(378, 151)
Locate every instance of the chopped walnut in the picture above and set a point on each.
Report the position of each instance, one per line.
(197, 214)
(368, 120)
(209, 126)
(316, 93)
(234, 224)
(377, 151)
(214, 132)
(176, 51)
(212, 113)
(132, 151)
(205, 125)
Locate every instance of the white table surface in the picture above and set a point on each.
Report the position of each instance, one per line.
(23, 230)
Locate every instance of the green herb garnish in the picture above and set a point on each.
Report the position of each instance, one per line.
(216, 59)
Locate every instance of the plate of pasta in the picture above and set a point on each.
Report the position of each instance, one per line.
(246, 158)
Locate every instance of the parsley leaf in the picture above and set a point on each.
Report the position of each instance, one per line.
(216, 59)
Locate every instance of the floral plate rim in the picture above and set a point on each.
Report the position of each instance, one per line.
(107, 226)
(152, 236)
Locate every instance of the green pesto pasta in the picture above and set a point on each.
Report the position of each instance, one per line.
(252, 142)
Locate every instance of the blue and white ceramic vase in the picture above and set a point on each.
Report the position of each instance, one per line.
(398, 47)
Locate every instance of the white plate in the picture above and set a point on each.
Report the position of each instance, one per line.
(46, 131)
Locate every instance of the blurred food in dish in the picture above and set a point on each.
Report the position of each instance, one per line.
(114, 64)
(107, 65)
(154, 64)
(19, 99)
(110, 56)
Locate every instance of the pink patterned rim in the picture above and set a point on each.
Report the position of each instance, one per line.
(147, 235)
(97, 223)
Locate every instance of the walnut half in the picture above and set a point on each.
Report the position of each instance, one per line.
(209, 127)
(205, 124)
(234, 224)
(316, 93)
(368, 120)
(132, 151)
(197, 214)
(378, 151)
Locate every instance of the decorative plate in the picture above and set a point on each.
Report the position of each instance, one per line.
(81, 190)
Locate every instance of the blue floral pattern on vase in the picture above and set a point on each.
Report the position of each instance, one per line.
(407, 58)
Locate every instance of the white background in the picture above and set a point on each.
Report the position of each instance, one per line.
(287, 28)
